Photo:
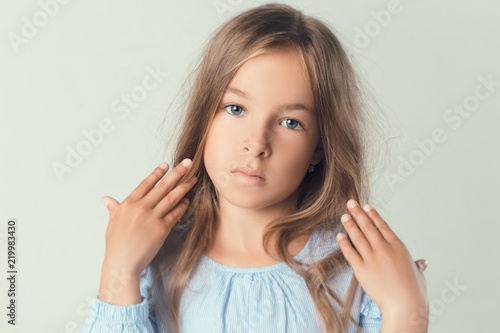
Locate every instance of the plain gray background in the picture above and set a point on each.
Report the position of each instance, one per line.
(65, 69)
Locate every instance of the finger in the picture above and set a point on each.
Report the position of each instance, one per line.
(382, 226)
(366, 225)
(358, 239)
(421, 264)
(149, 182)
(174, 197)
(111, 204)
(167, 183)
(175, 214)
(352, 256)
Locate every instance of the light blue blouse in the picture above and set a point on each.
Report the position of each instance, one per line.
(239, 299)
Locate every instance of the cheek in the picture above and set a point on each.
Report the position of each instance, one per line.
(217, 147)
(213, 150)
(292, 150)
(290, 164)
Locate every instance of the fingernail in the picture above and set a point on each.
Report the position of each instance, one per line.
(351, 203)
(422, 264)
(340, 236)
(105, 201)
(367, 207)
(163, 165)
(345, 217)
(186, 162)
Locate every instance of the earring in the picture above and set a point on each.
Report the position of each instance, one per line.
(311, 168)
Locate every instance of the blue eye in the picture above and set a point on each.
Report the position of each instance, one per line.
(287, 120)
(232, 105)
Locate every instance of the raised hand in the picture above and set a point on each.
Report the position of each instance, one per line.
(383, 265)
(140, 224)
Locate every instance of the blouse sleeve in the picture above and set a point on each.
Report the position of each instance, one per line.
(370, 318)
(137, 318)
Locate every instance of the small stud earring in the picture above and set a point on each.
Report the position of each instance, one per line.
(311, 168)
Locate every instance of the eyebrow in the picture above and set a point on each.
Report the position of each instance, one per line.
(295, 106)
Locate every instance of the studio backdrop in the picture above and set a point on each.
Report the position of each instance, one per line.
(89, 103)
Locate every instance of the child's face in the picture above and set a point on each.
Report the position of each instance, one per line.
(256, 134)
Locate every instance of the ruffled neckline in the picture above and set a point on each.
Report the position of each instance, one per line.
(221, 267)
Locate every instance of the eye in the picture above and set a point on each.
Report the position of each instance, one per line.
(289, 121)
(232, 107)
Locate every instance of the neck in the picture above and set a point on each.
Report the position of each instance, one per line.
(239, 235)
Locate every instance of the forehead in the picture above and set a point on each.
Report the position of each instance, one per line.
(274, 77)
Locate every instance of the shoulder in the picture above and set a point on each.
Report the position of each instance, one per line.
(323, 242)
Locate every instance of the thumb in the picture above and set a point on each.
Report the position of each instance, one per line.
(421, 264)
(110, 203)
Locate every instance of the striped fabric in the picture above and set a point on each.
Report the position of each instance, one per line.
(235, 299)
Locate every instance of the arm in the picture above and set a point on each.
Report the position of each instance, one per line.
(122, 305)
(137, 229)
(119, 288)
(406, 320)
(398, 320)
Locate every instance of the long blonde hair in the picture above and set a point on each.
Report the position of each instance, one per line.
(339, 176)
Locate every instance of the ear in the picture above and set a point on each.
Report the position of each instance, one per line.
(317, 156)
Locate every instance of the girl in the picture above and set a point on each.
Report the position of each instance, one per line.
(241, 238)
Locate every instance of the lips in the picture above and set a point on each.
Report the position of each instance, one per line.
(249, 172)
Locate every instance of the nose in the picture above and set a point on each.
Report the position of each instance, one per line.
(258, 141)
